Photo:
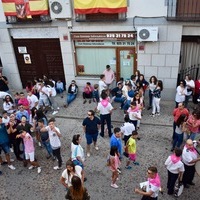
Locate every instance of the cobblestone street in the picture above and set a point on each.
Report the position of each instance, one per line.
(153, 149)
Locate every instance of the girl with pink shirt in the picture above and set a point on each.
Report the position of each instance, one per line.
(193, 123)
(29, 149)
(114, 163)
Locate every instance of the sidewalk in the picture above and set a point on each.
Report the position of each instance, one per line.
(78, 110)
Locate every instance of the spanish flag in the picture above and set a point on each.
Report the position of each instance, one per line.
(25, 8)
(100, 6)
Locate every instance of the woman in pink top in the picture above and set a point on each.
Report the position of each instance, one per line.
(29, 149)
(114, 163)
(193, 123)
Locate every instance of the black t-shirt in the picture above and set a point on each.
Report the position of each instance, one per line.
(117, 92)
(27, 128)
(3, 85)
(91, 125)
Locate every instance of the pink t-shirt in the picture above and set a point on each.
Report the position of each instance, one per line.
(24, 102)
(109, 76)
(196, 122)
(28, 143)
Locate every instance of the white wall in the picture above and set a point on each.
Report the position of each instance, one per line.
(147, 8)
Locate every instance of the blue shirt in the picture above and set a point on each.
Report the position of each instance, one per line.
(3, 134)
(116, 142)
(19, 115)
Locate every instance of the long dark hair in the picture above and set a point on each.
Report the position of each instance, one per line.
(11, 100)
(77, 189)
(113, 150)
(71, 164)
(75, 139)
(160, 84)
(40, 115)
(181, 119)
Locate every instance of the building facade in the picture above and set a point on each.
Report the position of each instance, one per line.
(81, 39)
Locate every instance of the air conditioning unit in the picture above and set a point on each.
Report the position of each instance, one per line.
(60, 9)
(147, 34)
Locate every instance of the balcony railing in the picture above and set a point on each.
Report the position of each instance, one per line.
(183, 10)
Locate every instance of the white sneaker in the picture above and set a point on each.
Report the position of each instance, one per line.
(56, 168)
(97, 148)
(31, 167)
(54, 112)
(114, 186)
(58, 108)
(12, 160)
(88, 154)
(11, 150)
(39, 170)
(11, 167)
(39, 144)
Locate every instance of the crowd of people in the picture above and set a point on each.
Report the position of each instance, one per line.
(24, 123)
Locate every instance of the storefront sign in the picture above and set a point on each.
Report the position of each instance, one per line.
(103, 36)
(105, 43)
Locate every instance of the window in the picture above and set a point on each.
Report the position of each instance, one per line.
(93, 61)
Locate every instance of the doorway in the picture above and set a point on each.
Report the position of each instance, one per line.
(36, 57)
(126, 63)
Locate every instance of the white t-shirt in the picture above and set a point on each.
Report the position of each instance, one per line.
(53, 137)
(52, 91)
(6, 120)
(189, 85)
(8, 107)
(188, 156)
(127, 128)
(180, 94)
(133, 115)
(174, 168)
(153, 188)
(102, 86)
(104, 110)
(77, 151)
(44, 93)
(32, 100)
(68, 179)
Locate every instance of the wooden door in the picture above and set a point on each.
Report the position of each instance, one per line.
(45, 58)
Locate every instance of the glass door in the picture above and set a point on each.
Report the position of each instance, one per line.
(126, 63)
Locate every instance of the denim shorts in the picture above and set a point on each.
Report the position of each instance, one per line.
(5, 147)
(91, 137)
(77, 162)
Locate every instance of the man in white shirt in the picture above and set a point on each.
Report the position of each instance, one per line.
(32, 99)
(190, 87)
(54, 137)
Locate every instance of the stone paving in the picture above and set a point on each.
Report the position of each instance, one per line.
(153, 149)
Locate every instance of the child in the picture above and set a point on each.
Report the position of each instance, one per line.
(134, 113)
(16, 97)
(131, 146)
(29, 149)
(5, 118)
(60, 88)
(127, 129)
(95, 93)
(178, 137)
(156, 98)
(175, 170)
(114, 165)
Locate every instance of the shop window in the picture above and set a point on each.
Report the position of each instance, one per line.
(93, 61)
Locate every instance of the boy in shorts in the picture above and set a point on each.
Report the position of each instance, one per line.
(29, 149)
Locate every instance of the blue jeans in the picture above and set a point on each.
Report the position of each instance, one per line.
(127, 104)
(150, 98)
(192, 136)
(178, 139)
(59, 90)
(47, 146)
(120, 100)
(70, 98)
